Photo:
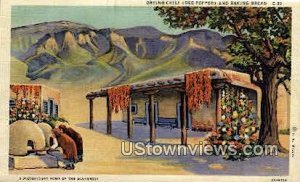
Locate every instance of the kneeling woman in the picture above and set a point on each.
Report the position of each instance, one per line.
(68, 146)
(77, 139)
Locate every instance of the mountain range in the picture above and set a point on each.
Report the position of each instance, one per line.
(68, 52)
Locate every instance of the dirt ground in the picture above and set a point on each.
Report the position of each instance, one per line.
(102, 155)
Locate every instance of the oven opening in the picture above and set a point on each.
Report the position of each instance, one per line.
(30, 147)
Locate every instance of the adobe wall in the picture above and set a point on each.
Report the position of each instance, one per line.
(49, 93)
(167, 103)
(206, 114)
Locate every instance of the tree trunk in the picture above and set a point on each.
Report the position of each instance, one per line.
(268, 134)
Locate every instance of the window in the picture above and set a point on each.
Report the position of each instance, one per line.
(45, 108)
(50, 108)
(134, 108)
(56, 110)
(12, 103)
(51, 105)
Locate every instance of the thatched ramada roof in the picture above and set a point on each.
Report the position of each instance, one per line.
(217, 76)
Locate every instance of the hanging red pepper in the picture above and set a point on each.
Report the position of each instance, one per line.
(119, 98)
(198, 89)
(30, 91)
(37, 90)
(207, 87)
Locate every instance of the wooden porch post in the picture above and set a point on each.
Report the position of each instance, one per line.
(151, 119)
(218, 107)
(108, 116)
(91, 114)
(183, 112)
(129, 120)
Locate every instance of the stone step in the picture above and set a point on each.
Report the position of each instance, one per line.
(32, 162)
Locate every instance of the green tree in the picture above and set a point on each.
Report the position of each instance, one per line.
(261, 47)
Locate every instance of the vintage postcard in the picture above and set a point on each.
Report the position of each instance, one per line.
(149, 90)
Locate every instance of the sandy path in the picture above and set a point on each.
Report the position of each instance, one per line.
(102, 155)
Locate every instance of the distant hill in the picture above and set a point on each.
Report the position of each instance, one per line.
(63, 51)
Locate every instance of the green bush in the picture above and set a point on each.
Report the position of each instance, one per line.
(29, 109)
(238, 125)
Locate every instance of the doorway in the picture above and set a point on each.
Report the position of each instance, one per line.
(178, 116)
(156, 119)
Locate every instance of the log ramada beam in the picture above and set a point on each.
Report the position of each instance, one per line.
(151, 97)
(152, 119)
(91, 114)
(109, 115)
(183, 117)
(129, 120)
(103, 92)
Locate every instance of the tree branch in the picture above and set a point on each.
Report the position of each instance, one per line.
(288, 90)
(248, 46)
(278, 16)
(283, 79)
(256, 81)
(283, 62)
(269, 46)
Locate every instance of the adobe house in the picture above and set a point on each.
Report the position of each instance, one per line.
(27, 139)
(48, 99)
(166, 102)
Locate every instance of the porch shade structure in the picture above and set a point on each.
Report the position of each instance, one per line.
(152, 87)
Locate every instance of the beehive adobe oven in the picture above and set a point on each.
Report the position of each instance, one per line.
(24, 136)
